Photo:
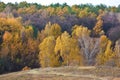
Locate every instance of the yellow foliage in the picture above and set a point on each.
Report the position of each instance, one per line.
(3, 24)
(113, 9)
(47, 56)
(86, 13)
(63, 43)
(7, 36)
(16, 37)
(65, 9)
(80, 31)
(32, 46)
(59, 11)
(117, 53)
(47, 29)
(75, 8)
(29, 31)
(55, 30)
(98, 26)
(83, 13)
(10, 24)
(103, 42)
(106, 53)
(68, 49)
(51, 10)
(15, 25)
(30, 9)
(52, 30)
(75, 56)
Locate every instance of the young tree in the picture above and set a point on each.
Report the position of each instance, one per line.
(55, 30)
(106, 53)
(98, 26)
(52, 30)
(47, 56)
(68, 49)
(75, 57)
(63, 46)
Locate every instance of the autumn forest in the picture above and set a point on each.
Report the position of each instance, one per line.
(36, 35)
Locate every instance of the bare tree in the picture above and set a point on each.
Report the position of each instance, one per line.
(89, 47)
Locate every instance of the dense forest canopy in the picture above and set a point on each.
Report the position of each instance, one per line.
(36, 35)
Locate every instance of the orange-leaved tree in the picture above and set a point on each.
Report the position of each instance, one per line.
(98, 26)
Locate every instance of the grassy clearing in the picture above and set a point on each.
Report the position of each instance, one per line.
(66, 73)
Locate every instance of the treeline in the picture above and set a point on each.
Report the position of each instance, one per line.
(66, 16)
(35, 35)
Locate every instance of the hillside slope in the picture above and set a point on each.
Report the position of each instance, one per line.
(65, 73)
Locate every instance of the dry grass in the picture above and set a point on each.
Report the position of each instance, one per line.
(65, 73)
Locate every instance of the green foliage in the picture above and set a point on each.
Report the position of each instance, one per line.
(2, 6)
(23, 4)
(35, 32)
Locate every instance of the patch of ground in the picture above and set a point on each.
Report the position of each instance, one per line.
(66, 73)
